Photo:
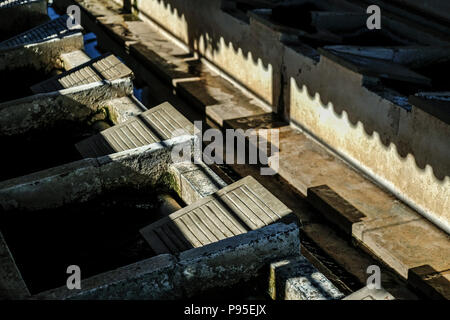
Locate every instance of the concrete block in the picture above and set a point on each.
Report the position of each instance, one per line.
(74, 59)
(41, 47)
(152, 278)
(106, 67)
(221, 264)
(334, 208)
(74, 104)
(297, 279)
(405, 242)
(370, 294)
(82, 180)
(157, 124)
(242, 206)
(195, 181)
(76, 181)
(203, 85)
(235, 259)
(124, 108)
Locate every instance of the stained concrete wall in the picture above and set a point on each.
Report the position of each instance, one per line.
(405, 150)
(229, 43)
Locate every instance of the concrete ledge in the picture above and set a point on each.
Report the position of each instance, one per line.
(73, 104)
(334, 208)
(238, 258)
(85, 179)
(41, 47)
(204, 85)
(74, 59)
(221, 264)
(297, 279)
(148, 279)
(156, 124)
(195, 181)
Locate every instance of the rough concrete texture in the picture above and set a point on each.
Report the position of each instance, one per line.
(170, 277)
(41, 47)
(12, 285)
(194, 181)
(73, 104)
(74, 59)
(82, 180)
(17, 16)
(370, 294)
(76, 181)
(396, 234)
(297, 279)
(124, 108)
(238, 258)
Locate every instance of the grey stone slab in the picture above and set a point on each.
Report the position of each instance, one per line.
(53, 29)
(195, 181)
(236, 259)
(74, 59)
(242, 206)
(106, 67)
(124, 108)
(334, 208)
(17, 16)
(73, 104)
(12, 285)
(370, 294)
(157, 124)
(297, 279)
(85, 179)
(148, 279)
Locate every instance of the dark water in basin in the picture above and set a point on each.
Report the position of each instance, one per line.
(99, 235)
